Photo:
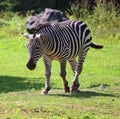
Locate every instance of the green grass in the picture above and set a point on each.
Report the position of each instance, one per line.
(20, 89)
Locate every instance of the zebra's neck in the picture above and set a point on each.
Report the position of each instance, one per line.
(47, 43)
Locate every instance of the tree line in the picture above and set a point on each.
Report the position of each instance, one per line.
(24, 6)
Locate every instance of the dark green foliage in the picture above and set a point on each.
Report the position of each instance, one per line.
(24, 6)
(5, 6)
(34, 5)
(28, 5)
(104, 18)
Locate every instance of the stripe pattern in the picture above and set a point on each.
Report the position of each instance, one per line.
(63, 42)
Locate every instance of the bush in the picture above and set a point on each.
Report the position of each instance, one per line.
(11, 24)
(104, 21)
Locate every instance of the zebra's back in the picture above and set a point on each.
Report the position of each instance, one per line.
(68, 38)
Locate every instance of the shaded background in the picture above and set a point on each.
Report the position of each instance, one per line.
(23, 6)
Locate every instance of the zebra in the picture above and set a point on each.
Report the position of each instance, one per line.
(63, 41)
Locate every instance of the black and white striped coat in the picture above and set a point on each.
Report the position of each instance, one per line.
(63, 42)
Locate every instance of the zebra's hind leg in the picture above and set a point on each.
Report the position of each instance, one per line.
(75, 84)
(78, 70)
(63, 75)
(73, 64)
(47, 63)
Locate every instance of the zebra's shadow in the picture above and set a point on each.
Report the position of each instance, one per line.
(83, 94)
(12, 84)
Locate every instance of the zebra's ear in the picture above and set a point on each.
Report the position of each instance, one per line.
(41, 36)
(28, 36)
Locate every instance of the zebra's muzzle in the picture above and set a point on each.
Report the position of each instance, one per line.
(31, 65)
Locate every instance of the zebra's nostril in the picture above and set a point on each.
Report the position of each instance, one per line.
(31, 65)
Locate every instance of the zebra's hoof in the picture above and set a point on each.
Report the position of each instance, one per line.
(74, 89)
(44, 92)
(67, 90)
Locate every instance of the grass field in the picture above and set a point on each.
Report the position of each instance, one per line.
(20, 89)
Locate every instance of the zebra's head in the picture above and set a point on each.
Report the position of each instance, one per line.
(35, 49)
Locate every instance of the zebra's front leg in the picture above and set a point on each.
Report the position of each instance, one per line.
(47, 63)
(63, 75)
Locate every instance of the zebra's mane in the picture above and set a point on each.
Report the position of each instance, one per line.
(40, 27)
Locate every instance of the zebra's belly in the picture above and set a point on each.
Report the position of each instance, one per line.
(58, 58)
(66, 53)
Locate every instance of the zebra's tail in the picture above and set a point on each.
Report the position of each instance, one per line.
(96, 46)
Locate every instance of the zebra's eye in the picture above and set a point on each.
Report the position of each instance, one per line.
(37, 48)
